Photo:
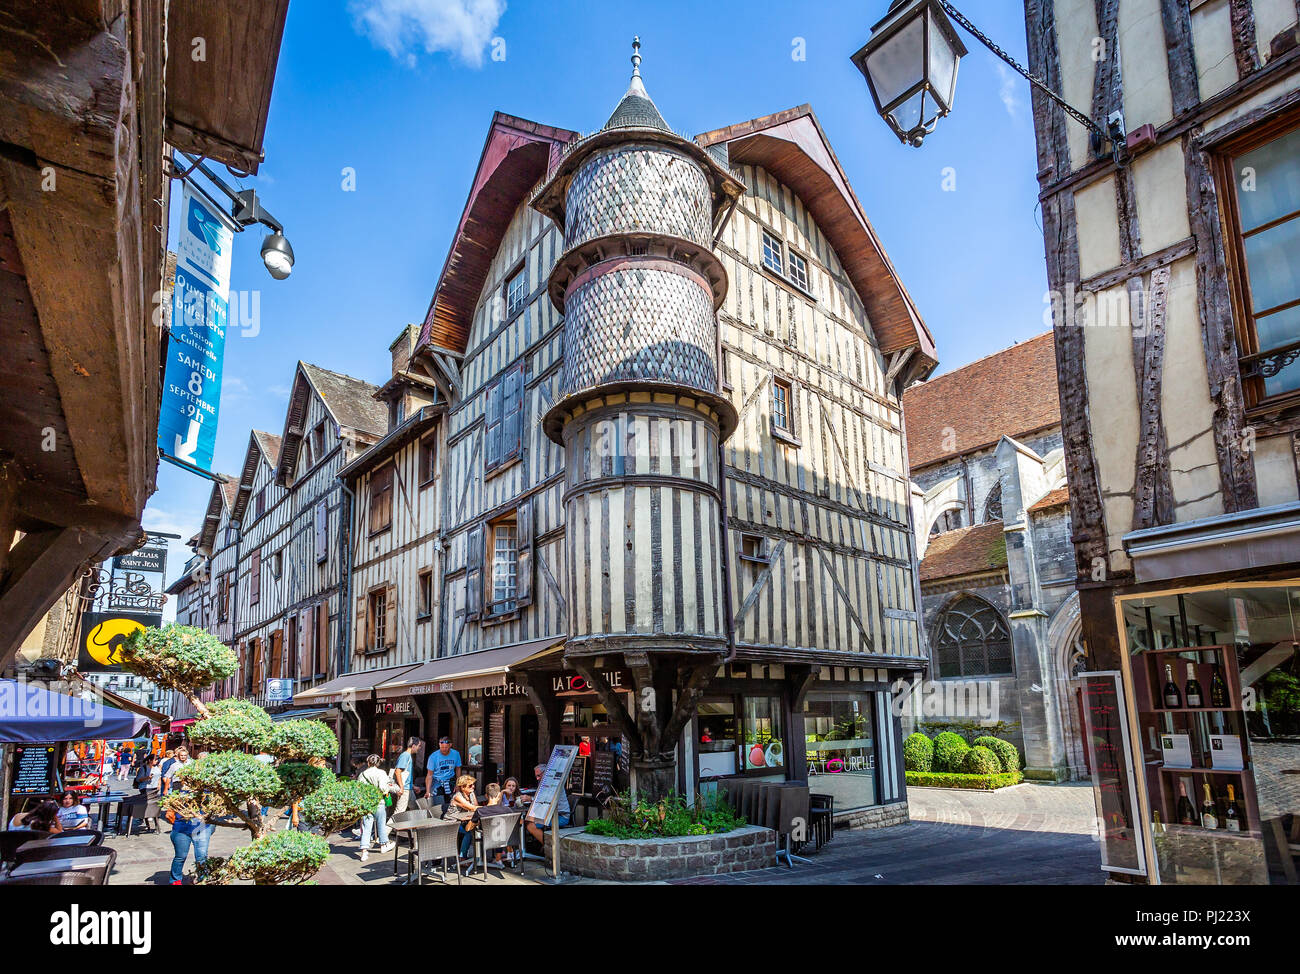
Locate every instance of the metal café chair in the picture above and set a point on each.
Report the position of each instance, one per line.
(70, 878)
(60, 841)
(96, 863)
(822, 816)
(45, 852)
(496, 831)
(792, 816)
(441, 841)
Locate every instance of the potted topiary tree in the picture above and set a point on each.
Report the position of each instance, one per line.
(229, 787)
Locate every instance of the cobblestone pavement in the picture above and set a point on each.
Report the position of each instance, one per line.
(1028, 834)
(1031, 833)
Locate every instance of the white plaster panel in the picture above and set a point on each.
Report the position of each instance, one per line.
(1113, 418)
(1185, 403)
(1097, 222)
(1275, 472)
(1076, 26)
(1216, 64)
(1160, 185)
(1271, 18)
(1258, 100)
(1147, 97)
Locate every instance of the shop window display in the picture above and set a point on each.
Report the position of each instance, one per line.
(840, 745)
(1216, 687)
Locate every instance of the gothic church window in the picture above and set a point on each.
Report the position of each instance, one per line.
(972, 639)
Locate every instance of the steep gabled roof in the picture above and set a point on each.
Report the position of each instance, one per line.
(263, 447)
(220, 501)
(516, 155)
(976, 550)
(793, 147)
(349, 401)
(1010, 393)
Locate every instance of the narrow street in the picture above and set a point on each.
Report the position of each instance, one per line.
(1027, 834)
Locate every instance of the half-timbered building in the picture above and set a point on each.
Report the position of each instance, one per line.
(671, 520)
(1175, 279)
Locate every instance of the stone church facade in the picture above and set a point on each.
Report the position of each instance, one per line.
(993, 533)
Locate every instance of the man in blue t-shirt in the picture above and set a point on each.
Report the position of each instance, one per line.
(404, 774)
(444, 768)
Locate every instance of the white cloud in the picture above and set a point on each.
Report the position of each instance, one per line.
(462, 28)
(1009, 90)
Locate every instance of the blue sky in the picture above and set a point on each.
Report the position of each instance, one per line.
(402, 91)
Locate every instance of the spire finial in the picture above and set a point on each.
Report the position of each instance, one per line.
(636, 57)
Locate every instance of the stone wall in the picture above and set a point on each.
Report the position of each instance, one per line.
(645, 860)
(876, 817)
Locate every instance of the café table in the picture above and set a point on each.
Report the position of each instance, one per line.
(57, 842)
(100, 863)
(105, 803)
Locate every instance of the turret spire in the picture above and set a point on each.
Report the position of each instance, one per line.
(636, 109)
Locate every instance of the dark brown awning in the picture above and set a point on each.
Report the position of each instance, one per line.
(469, 671)
(349, 685)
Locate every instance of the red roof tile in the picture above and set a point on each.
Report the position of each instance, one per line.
(1012, 393)
(1056, 498)
(965, 551)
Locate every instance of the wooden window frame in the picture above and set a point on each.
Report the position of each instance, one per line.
(771, 241)
(423, 608)
(318, 439)
(787, 433)
(764, 557)
(792, 255)
(389, 470)
(385, 596)
(428, 469)
(255, 577)
(497, 415)
(520, 272)
(1222, 160)
(259, 505)
(321, 646)
(479, 589)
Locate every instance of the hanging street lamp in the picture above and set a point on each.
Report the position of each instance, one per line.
(910, 63)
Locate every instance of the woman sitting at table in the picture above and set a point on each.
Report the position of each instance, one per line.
(43, 818)
(72, 814)
(464, 803)
(510, 793)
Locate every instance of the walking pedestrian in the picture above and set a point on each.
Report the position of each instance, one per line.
(376, 822)
(404, 774)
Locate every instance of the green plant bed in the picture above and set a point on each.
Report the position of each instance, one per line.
(666, 819)
(978, 782)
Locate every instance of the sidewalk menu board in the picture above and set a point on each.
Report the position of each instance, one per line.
(602, 771)
(35, 770)
(1113, 787)
(553, 779)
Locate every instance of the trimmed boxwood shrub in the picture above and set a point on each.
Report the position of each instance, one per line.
(980, 760)
(978, 782)
(950, 752)
(918, 753)
(1008, 756)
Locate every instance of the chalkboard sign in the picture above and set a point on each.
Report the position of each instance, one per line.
(578, 775)
(602, 771)
(35, 766)
(497, 735)
(359, 750)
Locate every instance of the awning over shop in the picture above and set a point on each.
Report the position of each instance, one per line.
(308, 713)
(1256, 539)
(349, 685)
(469, 671)
(31, 714)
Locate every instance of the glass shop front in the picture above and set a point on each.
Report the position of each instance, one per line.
(744, 726)
(1213, 679)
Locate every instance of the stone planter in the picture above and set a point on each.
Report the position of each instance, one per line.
(645, 860)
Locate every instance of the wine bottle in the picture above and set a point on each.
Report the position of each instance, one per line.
(1192, 688)
(1232, 817)
(1218, 691)
(1186, 814)
(1157, 826)
(1173, 699)
(1209, 818)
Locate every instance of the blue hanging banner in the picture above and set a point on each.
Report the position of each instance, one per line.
(187, 421)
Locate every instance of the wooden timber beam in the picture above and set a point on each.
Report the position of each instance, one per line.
(610, 700)
(1245, 46)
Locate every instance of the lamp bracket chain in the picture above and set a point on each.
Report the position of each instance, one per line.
(1038, 83)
